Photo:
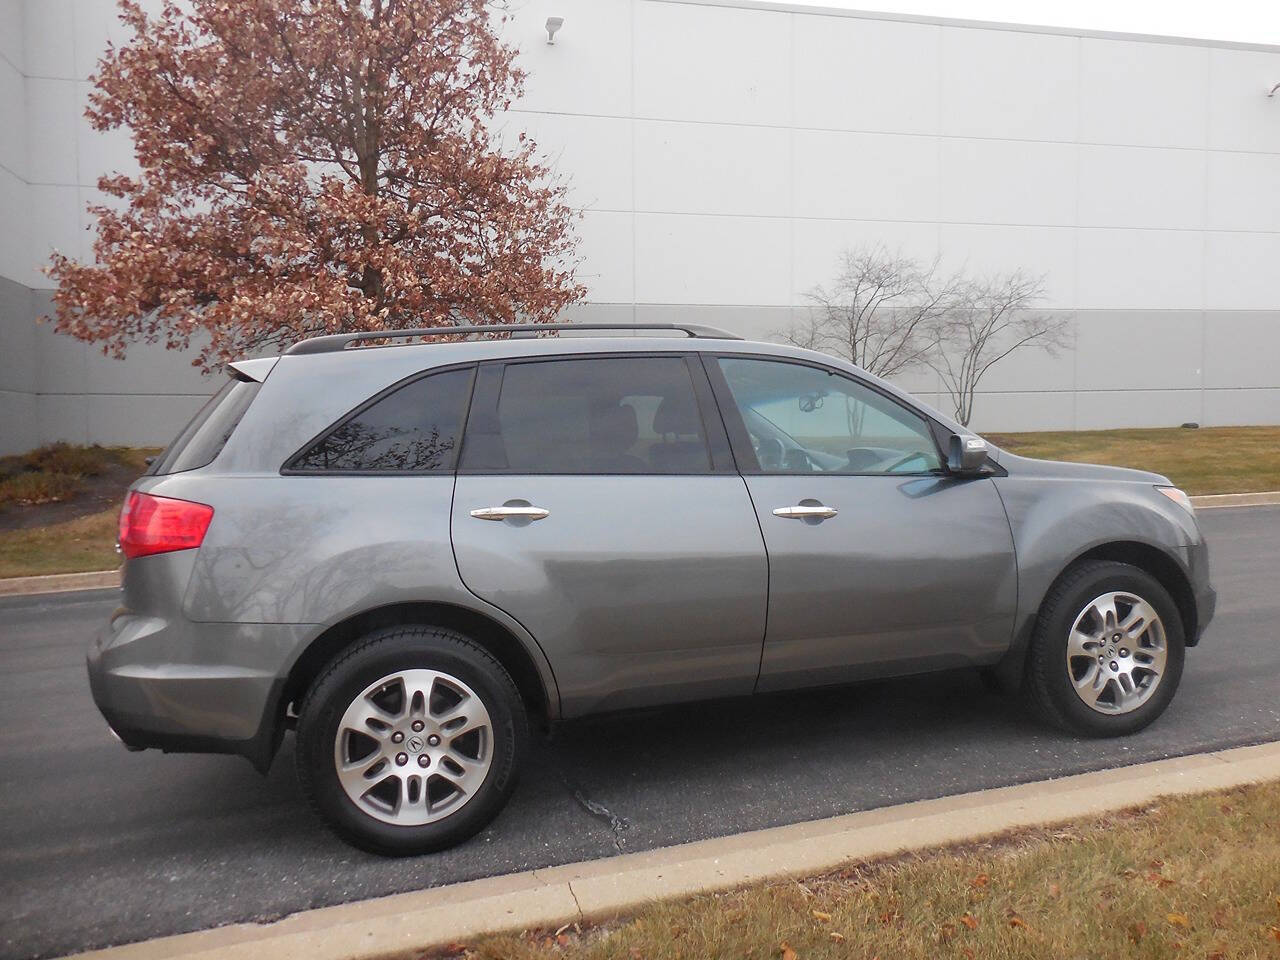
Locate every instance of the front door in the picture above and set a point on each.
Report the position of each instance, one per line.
(879, 562)
(597, 504)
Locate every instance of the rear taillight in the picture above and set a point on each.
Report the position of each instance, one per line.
(160, 524)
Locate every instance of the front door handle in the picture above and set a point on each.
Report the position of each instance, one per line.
(806, 511)
(511, 512)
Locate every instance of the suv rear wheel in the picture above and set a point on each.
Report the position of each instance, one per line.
(410, 740)
(1107, 652)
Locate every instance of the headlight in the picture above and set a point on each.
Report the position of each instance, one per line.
(1179, 497)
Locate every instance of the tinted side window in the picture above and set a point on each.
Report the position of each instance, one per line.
(593, 415)
(209, 430)
(803, 419)
(413, 429)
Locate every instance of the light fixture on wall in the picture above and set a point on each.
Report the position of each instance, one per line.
(1272, 91)
(553, 24)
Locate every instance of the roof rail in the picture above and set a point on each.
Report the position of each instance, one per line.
(341, 341)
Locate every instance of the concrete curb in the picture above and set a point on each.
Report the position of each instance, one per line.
(600, 889)
(1236, 500)
(59, 583)
(63, 582)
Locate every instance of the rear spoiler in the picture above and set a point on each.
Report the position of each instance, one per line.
(255, 370)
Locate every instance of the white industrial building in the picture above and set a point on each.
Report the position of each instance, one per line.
(725, 153)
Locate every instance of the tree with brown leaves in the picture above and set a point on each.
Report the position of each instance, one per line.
(310, 167)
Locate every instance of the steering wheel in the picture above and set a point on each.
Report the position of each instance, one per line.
(914, 455)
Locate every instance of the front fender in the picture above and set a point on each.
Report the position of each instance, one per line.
(1056, 521)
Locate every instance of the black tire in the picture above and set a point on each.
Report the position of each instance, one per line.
(1048, 685)
(377, 655)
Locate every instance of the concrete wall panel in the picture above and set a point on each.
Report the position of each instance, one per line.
(608, 256)
(139, 421)
(1240, 117)
(1099, 409)
(1241, 349)
(1139, 350)
(712, 168)
(1131, 187)
(15, 261)
(1240, 271)
(12, 47)
(867, 75)
(13, 120)
(1244, 190)
(64, 418)
(592, 153)
(19, 368)
(1007, 182)
(51, 130)
(1141, 269)
(1004, 84)
(583, 71)
(49, 38)
(21, 430)
(1154, 94)
(999, 412)
(981, 250)
(725, 260)
(1229, 408)
(55, 223)
(859, 176)
(818, 244)
(715, 64)
(101, 152)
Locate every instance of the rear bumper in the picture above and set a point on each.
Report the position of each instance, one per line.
(189, 687)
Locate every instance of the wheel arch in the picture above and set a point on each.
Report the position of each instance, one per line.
(1156, 562)
(1152, 559)
(536, 688)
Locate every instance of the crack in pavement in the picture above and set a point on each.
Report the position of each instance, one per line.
(616, 823)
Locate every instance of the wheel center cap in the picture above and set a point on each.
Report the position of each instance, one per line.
(415, 744)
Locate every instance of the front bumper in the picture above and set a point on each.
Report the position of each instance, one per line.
(1206, 606)
(193, 687)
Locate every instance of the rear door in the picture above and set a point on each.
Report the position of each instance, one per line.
(879, 562)
(597, 503)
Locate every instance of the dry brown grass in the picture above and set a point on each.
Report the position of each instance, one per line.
(1208, 460)
(72, 546)
(1193, 877)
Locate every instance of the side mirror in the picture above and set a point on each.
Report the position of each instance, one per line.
(968, 454)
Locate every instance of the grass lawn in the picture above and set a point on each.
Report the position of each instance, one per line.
(72, 546)
(1208, 460)
(1193, 877)
(58, 507)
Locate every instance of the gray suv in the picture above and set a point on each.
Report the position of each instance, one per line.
(410, 550)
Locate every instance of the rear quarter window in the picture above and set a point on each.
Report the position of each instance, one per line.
(414, 428)
(203, 438)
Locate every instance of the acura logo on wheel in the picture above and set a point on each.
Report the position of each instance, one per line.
(415, 744)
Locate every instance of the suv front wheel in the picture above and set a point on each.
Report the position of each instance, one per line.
(410, 740)
(1107, 652)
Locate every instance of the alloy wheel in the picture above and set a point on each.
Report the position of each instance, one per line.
(413, 747)
(1116, 653)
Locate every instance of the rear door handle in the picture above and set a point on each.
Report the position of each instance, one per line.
(806, 511)
(512, 512)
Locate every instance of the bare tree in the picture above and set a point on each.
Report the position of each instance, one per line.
(877, 313)
(984, 321)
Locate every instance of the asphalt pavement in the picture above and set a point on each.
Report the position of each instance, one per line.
(99, 846)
